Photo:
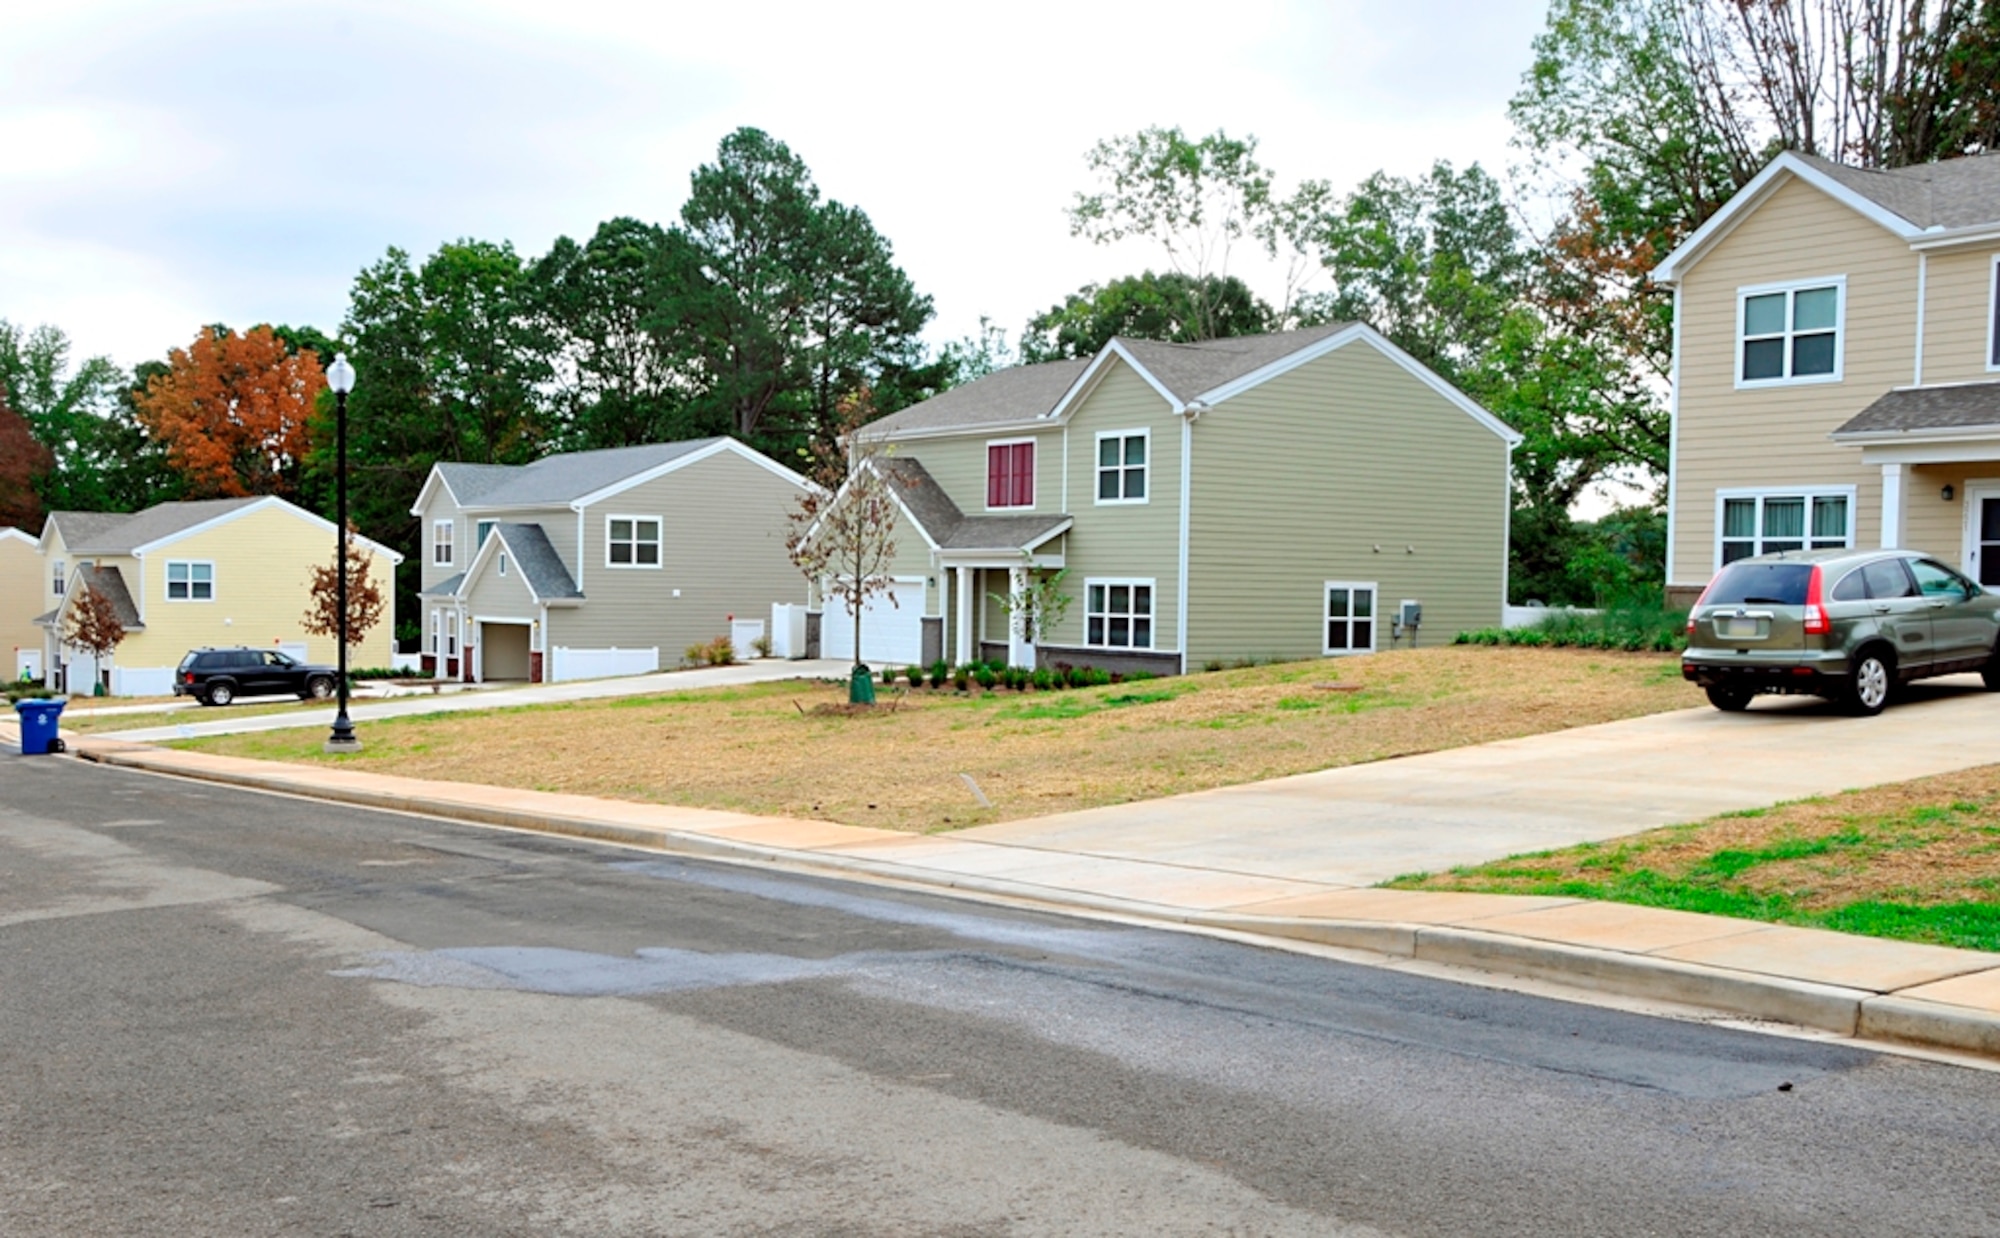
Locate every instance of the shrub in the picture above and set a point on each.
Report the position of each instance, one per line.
(961, 678)
(1043, 678)
(762, 645)
(1212, 665)
(719, 652)
(985, 676)
(1099, 677)
(914, 676)
(1634, 627)
(1139, 676)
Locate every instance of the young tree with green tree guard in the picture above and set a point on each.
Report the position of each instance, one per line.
(843, 531)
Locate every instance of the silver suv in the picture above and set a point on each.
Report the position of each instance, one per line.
(1849, 625)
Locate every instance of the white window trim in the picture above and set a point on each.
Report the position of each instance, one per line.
(57, 581)
(451, 634)
(1374, 615)
(437, 633)
(1097, 467)
(502, 565)
(1808, 493)
(448, 544)
(1839, 284)
(167, 579)
(659, 522)
(1109, 582)
(1034, 470)
(1993, 314)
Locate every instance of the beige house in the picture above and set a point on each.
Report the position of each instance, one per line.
(20, 601)
(1837, 368)
(597, 563)
(1279, 496)
(218, 572)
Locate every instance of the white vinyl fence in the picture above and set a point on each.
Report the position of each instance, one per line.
(600, 663)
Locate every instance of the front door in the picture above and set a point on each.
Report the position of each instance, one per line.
(1982, 535)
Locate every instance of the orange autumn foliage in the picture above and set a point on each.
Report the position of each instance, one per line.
(232, 412)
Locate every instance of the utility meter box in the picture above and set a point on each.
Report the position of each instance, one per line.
(1410, 614)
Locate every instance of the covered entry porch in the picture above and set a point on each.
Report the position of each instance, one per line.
(1938, 453)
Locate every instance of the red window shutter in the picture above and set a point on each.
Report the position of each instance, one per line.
(1024, 475)
(997, 461)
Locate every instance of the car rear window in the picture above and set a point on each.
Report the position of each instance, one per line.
(1769, 584)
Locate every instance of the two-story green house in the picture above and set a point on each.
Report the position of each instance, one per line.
(1276, 496)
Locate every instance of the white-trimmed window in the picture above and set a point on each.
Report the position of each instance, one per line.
(56, 579)
(451, 634)
(1010, 473)
(437, 632)
(480, 530)
(1757, 522)
(190, 581)
(1118, 614)
(632, 541)
(1350, 616)
(1993, 316)
(1121, 465)
(1789, 333)
(441, 540)
(502, 556)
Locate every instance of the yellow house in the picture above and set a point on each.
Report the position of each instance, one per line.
(20, 596)
(214, 573)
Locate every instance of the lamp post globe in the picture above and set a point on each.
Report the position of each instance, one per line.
(340, 377)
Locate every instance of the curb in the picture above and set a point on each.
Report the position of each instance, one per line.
(1859, 1013)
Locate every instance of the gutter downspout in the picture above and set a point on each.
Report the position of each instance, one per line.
(1194, 409)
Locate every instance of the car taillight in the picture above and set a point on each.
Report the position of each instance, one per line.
(1697, 605)
(187, 676)
(1817, 624)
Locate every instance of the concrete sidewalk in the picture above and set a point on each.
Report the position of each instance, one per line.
(1854, 986)
(761, 670)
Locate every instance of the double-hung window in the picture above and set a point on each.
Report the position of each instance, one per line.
(1789, 333)
(1350, 617)
(1118, 614)
(190, 582)
(632, 541)
(56, 580)
(451, 635)
(1766, 522)
(1010, 474)
(437, 631)
(1121, 466)
(441, 539)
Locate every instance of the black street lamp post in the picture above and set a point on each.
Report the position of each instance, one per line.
(340, 377)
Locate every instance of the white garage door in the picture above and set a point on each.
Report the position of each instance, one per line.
(890, 635)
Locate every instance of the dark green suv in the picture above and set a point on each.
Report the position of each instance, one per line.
(1849, 625)
(219, 676)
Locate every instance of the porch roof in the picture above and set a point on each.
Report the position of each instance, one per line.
(1960, 410)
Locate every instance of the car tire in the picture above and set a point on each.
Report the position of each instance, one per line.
(219, 694)
(1729, 698)
(1870, 683)
(318, 688)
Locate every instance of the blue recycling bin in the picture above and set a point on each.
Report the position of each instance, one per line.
(38, 726)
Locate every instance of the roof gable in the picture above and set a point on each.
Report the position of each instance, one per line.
(534, 557)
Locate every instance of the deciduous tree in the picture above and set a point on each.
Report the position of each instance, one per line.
(83, 415)
(91, 624)
(843, 530)
(1171, 306)
(232, 410)
(23, 461)
(366, 605)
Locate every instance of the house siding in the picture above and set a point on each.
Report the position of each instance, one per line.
(441, 507)
(959, 467)
(22, 591)
(1958, 306)
(1348, 468)
(500, 597)
(725, 521)
(1777, 436)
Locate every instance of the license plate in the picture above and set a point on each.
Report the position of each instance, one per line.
(1738, 629)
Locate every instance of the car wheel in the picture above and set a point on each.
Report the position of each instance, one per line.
(1870, 683)
(220, 694)
(1728, 698)
(319, 687)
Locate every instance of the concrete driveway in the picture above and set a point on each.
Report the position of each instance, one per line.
(1363, 824)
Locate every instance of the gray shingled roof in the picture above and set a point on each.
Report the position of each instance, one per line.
(538, 561)
(951, 528)
(1928, 408)
(444, 588)
(1025, 392)
(108, 533)
(1952, 193)
(80, 528)
(111, 583)
(556, 480)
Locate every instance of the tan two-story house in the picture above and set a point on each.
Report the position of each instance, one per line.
(1283, 496)
(1837, 368)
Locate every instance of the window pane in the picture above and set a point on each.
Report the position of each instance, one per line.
(1739, 517)
(1121, 599)
(649, 530)
(177, 590)
(1830, 518)
(1813, 309)
(177, 571)
(1107, 452)
(1763, 359)
(1135, 450)
(1336, 604)
(1142, 633)
(621, 552)
(1142, 599)
(1363, 634)
(203, 571)
(1094, 633)
(1812, 354)
(1135, 483)
(1933, 580)
(1989, 520)
(1364, 603)
(1107, 484)
(1764, 315)
(1732, 551)
(1096, 606)
(621, 530)
(1336, 634)
(649, 553)
(1887, 579)
(1121, 631)
(1850, 588)
(1784, 518)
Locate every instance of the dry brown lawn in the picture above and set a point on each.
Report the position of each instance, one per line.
(768, 749)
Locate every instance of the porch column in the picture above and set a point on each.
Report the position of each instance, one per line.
(962, 642)
(1895, 489)
(1020, 650)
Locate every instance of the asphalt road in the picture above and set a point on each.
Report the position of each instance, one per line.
(230, 1013)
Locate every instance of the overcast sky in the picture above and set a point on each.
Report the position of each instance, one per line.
(166, 165)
